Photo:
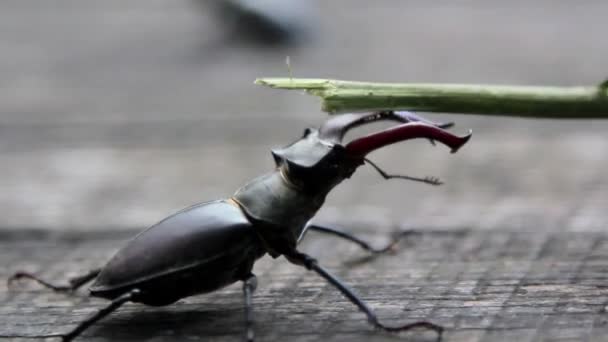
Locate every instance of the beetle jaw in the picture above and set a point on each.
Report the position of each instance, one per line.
(315, 164)
(364, 145)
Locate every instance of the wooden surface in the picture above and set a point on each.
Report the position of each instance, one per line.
(114, 115)
(480, 285)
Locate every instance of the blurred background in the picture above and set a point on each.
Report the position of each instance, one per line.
(114, 114)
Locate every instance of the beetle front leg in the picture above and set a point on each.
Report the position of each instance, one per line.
(312, 264)
(249, 286)
(74, 283)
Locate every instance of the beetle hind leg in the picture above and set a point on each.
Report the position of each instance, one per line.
(74, 283)
(101, 313)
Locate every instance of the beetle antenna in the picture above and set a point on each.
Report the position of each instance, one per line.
(426, 180)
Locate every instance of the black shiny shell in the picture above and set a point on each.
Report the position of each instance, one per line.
(186, 240)
(304, 153)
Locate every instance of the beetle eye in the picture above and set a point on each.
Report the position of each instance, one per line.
(306, 132)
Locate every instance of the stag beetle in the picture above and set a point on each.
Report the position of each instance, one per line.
(211, 245)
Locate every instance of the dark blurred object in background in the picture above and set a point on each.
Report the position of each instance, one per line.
(272, 22)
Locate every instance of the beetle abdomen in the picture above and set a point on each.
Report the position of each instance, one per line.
(196, 250)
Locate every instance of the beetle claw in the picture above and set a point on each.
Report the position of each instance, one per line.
(433, 180)
(416, 325)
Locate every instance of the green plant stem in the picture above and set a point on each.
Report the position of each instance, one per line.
(523, 101)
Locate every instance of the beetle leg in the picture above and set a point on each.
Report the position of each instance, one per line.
(427, 180)
(249, 286)
(312, 264)
(347, 236)
(75, 282)
(101, 313)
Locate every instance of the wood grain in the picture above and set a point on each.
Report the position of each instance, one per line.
(480, 285)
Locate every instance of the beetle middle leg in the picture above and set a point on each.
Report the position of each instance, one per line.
(249, 285)
(349, 237)
(74, 283)
(312, 264)
(389, 247)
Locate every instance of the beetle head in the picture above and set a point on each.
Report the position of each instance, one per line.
(312, 163)
(319, 160)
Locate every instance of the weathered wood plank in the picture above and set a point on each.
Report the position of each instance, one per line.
(526, 285)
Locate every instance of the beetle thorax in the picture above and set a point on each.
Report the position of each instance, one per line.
(273, 199)
(292, 194)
